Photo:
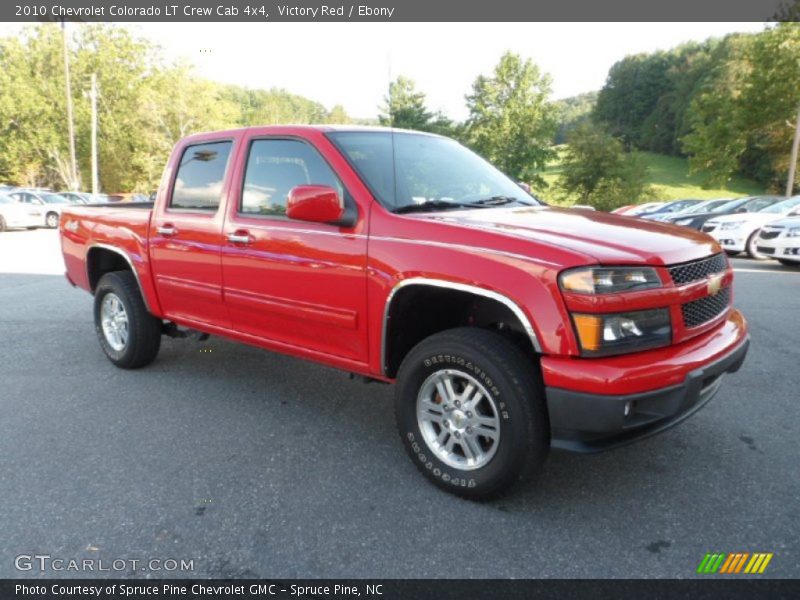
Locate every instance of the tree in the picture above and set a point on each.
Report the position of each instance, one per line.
(404, 107)
(599, 172)
(742, 119)
(511, 123)
(572, 112)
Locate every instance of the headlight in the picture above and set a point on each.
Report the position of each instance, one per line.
(684, 221)
(793, 232)
(601, 335)
(731, 225)
(608, 280)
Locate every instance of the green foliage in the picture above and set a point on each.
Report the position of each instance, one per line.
(598, 171)
(572, 112)
(631, 94)
(144, 106)
(511, 122)
(743, 118)
(668, 177)
(404, 107)
(729, 104)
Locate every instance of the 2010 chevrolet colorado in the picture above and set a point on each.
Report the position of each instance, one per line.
(509, 326)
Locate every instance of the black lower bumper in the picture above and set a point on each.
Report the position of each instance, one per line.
(582, 422)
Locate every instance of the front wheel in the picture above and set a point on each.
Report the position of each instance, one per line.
(128, 334)
(752, 249)
(471, 412)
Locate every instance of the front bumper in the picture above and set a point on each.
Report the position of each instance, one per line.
(586, 421)
(731, 241)
(782, 248)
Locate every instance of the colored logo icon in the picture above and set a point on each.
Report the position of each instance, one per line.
(734, 563)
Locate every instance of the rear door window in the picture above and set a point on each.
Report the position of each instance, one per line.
(200, 177)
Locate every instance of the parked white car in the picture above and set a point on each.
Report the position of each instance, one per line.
(781, 240)
(48, 203)
(739, 232)
(13, 214)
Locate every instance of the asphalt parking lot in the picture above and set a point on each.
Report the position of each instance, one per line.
(253, 464)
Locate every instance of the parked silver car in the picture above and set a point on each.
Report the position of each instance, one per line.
(15, 214)
(50, 204)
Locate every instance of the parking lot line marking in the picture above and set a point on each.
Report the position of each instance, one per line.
(765, 271)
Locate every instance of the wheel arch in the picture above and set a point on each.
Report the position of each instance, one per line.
(473, 306)
(102, 259)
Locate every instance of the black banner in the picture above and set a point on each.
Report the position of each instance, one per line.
(178, 589)
(397, 10)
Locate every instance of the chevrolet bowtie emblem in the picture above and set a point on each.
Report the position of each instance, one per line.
(714, 285)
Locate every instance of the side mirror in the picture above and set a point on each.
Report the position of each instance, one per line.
(317, 204)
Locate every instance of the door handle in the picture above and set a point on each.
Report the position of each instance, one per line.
(167, 230)
(240, 237)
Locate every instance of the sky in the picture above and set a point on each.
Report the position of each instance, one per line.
(351, 63)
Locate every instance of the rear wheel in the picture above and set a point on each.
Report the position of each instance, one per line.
(128, 334)
(51, 220)
(471, 413)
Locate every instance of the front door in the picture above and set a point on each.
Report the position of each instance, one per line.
(295, 283)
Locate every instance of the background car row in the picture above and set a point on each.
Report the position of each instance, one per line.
(759, 226)
(33, 207)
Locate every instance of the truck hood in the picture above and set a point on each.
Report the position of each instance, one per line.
(605, 237)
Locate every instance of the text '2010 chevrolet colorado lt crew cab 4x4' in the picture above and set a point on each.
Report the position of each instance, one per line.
(507, 325)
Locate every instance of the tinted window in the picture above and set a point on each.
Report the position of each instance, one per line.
(274, 167)
(201, 172)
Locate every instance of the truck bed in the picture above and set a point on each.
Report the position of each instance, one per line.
(122, 225)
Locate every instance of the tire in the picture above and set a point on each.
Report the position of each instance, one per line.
(51, 220)
(130, 342)
(3, 225)
(750, 247)
(788, 263)
(512, 399)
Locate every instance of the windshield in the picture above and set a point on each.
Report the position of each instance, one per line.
(425, 169)
(707, 206)
(54, 199)
(782, 207)
(676, 206)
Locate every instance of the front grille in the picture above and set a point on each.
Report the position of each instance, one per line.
(765, 250)
(701, 311)
(769, 235)
(698, 269)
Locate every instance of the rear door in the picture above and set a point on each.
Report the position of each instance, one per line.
(186, 232)
(295, 283)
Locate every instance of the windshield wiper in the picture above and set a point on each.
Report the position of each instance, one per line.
(495, 201)
(435, 205)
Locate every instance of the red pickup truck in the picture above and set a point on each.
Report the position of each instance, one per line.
(509, 326)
